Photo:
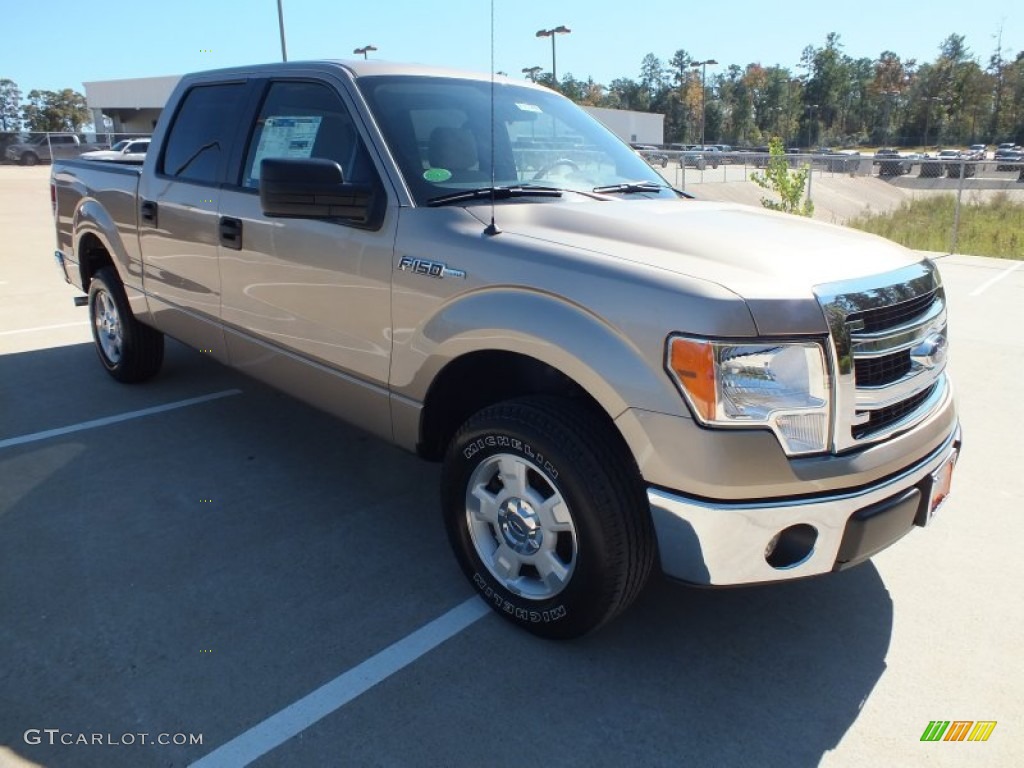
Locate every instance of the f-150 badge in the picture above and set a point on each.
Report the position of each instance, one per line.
(428, 268)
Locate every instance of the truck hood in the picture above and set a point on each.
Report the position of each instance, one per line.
(773, 260)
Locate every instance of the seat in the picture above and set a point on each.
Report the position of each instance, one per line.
(336, 140)
(455, 150)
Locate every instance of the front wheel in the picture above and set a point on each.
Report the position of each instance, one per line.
(129, 351)
(547, 515)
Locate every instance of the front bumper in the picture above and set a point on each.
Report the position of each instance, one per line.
(723, 543)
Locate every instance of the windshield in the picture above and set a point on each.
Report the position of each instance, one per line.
(439, 130)
(119, 146)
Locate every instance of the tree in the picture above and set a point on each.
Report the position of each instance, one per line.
(10, 105)
(788, 185)
(55, 110)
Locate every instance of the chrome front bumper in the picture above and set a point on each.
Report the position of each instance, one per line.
(704, 542)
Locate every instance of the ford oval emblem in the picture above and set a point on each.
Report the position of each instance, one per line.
(930, 353)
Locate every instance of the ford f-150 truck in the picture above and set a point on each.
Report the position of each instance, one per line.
(615, 376)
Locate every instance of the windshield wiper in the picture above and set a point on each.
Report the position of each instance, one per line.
(498, 193)
(629, 187)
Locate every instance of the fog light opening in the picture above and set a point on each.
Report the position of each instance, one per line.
(791, 546)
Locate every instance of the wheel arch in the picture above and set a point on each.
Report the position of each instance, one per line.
(468, 384)
(532, 344)
(98, 242)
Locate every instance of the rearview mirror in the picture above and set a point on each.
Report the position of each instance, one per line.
(312, 188)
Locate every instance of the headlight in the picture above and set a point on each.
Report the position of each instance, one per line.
(783, 386)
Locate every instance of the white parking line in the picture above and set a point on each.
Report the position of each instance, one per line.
(33, 437)
(992, 281)
(297, 717)
(44, 328)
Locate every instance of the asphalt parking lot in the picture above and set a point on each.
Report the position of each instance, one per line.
(200, 554)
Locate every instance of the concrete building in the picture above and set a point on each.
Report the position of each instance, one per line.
(134, 106)
(635, 127)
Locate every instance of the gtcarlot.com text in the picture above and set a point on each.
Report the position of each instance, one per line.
(53, 736)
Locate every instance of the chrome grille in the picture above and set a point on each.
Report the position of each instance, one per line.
(888, 348)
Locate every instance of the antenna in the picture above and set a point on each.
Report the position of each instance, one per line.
(492, 228)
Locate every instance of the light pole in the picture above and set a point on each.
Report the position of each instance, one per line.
(810, 119)
(559, 30)
(365, 50)
(531, 72)
(928, 115)
(703, 65)
(888, 109)
(280, 23)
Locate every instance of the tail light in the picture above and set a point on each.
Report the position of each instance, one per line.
(53, 198)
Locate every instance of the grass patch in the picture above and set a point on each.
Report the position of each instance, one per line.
(991, 228)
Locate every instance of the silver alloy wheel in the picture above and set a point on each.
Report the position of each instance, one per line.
(108, 326)
(521, 527)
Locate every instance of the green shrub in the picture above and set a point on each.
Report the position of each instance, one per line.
(787, 184)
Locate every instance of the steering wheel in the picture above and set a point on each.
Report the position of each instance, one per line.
(543, 172)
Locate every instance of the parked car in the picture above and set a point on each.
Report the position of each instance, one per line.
(978, 152)
(891, 163)
(43, 148)
(125, 151)
(652, 154)
(1009, 159)
(614, 376)
(955, 161)
(838, 161)
(689, 155)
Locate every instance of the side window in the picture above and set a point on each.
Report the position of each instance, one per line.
(199, 137)
(300, 119)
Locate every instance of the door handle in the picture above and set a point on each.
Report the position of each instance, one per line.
(230, 233)
(147, 212)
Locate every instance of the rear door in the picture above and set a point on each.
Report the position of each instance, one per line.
(178, 219)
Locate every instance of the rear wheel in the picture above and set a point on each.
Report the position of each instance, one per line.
(130, 351)
(29, 158)
(547, 515)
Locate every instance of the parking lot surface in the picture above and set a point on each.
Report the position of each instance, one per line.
(201, 555)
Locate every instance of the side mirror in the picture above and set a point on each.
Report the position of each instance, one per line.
(312, 188)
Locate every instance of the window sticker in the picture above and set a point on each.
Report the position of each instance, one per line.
(285, 137)
(437, 174)
(524, 107)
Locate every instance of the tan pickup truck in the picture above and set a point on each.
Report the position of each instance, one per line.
(616, 376)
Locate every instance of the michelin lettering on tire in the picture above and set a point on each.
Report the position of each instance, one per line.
(536, 617)
(505, 441)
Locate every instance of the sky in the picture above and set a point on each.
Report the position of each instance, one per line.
(71, 42)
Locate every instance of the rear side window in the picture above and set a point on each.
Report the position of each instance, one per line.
(199, 138)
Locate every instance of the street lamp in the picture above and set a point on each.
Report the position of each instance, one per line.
(810, 119)
(365, 50)
(888, 108)
(703, 65)
(531, 72)
(928, 115)
(280, 23)
(559, 30)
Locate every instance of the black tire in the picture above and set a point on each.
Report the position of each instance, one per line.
(29, 158)
(130, 351)
(570, 462)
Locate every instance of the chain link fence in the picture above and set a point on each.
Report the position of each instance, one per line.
(36, 148)
(848, 185)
